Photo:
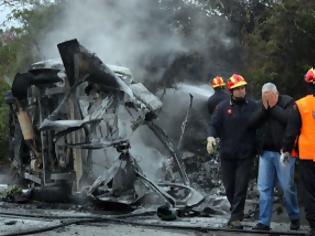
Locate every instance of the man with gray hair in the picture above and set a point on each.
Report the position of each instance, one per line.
(272, 119)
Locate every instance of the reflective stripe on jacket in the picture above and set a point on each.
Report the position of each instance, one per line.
(306, 140)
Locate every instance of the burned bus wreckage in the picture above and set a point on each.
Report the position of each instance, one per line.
(62, 113)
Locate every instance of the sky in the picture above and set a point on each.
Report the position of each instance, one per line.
(3, 13)
(5, 10)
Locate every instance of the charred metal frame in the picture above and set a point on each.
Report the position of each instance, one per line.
(59, 124)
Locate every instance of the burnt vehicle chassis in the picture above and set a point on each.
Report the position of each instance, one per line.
(53, 134)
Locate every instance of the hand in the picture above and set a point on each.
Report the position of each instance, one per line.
(264, 100)
(211, 143)
(272, 99)
(284, 158)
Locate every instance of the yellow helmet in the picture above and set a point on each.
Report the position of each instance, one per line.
(217, 82)
(236, 81)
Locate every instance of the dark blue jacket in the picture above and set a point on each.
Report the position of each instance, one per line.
(218, 96)
(230, 123)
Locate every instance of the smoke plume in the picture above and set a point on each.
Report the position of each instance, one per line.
(146, 36)
(158, 41)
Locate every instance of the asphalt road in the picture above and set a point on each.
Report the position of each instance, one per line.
(30, 220)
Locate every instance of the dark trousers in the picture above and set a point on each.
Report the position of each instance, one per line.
(235, 177)
(307, 180)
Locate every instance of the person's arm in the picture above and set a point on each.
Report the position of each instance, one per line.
(214, 129)
(281, 114)
(258, 117)
(210, 105)
(215, 122)
(293, 129)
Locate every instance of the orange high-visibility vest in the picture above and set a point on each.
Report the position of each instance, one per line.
(306, 139)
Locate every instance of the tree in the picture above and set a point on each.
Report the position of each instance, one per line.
(280, 48)
(16, 55)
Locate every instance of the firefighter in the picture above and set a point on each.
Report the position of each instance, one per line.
(301, 125)
(229, 123)
(271, 117)
(220, 93)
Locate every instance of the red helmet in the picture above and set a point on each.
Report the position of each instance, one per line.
(310, 76)
(217, 82)
(236, 81)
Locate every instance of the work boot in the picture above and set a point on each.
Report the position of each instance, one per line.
(234, 224)
(261, 226)
(295, 224)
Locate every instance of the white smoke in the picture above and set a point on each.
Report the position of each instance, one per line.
(120, 32)
(175, 106)
(204, 91)
(130, 33)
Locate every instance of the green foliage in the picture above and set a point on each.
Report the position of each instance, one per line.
(11, 193)
(17, 47)
(3, 120)
(280, 48)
